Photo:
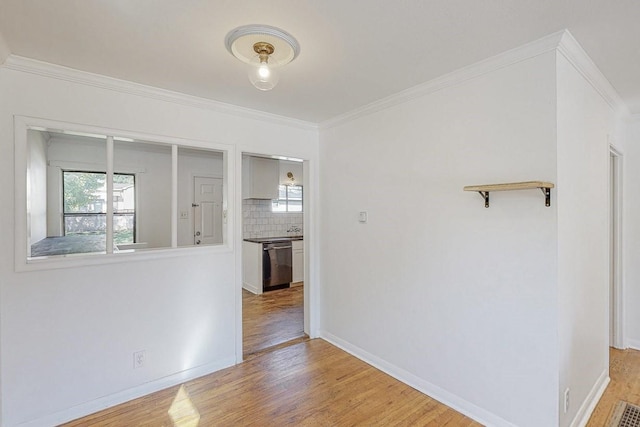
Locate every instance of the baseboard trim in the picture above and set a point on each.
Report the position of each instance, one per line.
(105, 402)
(451, 400)
(589, 404)
(634, 344)
(250, 288)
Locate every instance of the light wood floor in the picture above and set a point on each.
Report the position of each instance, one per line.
(311, 383)
(624, 371)
(271, 319)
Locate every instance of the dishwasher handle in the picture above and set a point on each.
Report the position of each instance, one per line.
(276, 248)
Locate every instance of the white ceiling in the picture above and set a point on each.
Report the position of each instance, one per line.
(353, 52)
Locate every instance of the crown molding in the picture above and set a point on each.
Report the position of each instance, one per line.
(576, 55)
(58, 72)
(494, 63)
(561, 41)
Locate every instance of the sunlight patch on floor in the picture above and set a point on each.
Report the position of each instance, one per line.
(183, 412)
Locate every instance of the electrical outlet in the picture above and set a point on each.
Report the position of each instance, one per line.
(566, 400)
(184, 215)
(138, 359)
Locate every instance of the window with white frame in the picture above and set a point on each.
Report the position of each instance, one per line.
(84, 191)
(84, 204)
(289, 199)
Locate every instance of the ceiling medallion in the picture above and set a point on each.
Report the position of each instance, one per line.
(264, 49)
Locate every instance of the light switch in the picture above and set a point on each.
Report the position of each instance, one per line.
(362, 217)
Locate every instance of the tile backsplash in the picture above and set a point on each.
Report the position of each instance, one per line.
(259, 221)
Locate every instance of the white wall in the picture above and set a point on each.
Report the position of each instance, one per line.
(585, 125)
(151, 165)
(37, 181)
(296, 168)
(459, 300)
(631, 230)
(67, 336)
(4, 49)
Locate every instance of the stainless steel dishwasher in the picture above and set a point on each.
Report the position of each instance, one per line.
(276, 265)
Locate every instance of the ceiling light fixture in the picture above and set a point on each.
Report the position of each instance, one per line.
(265, 49)
(292, 179)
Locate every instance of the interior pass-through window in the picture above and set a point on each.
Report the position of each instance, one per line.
(100, 194)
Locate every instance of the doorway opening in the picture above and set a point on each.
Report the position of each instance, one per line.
(273, 260)
(616, 299)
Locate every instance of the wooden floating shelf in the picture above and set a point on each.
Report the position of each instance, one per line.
(484, 190)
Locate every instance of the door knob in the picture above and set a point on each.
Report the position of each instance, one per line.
(197, 233)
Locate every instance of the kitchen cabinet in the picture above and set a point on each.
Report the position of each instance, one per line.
(298, 261)
(252, 267)
(260, 178)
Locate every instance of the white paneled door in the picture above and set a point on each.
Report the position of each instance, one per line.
(207, 213)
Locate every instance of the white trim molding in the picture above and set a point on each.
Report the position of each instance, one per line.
(619, 288)
(561, 41)
(510, 57)
(33, 66)
(22, 262)
(631, 343)
(96, 405)
(576, 55)
(589, 404)
(451, 400)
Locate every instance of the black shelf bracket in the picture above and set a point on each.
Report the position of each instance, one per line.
(484, 190)
(547, 195)
(485, 196)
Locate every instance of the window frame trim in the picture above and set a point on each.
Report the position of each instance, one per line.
(22, 259)
(114, 213)
(287, 211)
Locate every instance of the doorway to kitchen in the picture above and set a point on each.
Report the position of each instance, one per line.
(273, 261)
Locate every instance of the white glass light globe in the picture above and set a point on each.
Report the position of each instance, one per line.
(263, 77)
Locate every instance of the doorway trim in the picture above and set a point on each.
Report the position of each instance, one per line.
(616, 193)
(310, 227)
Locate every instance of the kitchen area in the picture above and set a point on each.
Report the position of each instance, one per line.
(272, 253)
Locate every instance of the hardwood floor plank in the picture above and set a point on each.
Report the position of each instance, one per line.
(624, 371)
(271, 319)
(311, 383)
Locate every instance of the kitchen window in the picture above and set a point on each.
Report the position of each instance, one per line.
(85, 205)
(289, 199)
